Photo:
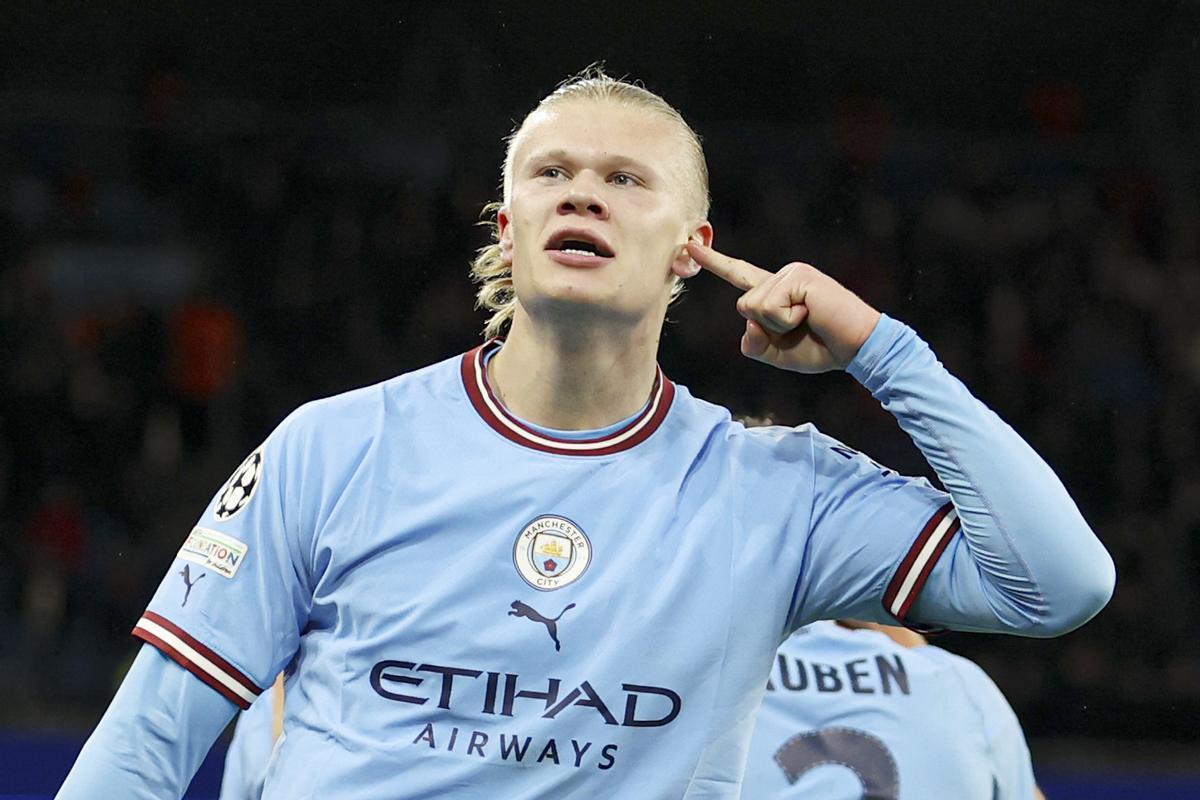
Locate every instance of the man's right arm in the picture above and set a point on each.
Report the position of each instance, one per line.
(152, 739)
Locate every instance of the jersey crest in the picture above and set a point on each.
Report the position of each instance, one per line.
(551, 552)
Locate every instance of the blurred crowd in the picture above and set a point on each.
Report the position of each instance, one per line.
(178, 273)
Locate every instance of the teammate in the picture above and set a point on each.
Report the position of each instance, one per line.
(857, 710)
(542, 568)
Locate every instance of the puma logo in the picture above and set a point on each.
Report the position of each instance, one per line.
(522, 610)
(186, 573)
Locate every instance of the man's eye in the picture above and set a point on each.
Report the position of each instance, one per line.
(550, 172)
(624, 179)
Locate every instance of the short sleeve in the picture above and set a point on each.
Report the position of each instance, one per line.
(874, 538)
(234, 601)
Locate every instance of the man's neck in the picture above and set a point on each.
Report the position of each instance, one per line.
(573, 380)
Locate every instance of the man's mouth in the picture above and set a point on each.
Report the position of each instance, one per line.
(579, 242)
(582, 248)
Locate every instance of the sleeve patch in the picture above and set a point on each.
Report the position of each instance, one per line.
(214, 550)
(239, 489)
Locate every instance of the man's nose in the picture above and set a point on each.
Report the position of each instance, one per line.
(582, 198)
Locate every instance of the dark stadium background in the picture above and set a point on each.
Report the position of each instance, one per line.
(209, 215)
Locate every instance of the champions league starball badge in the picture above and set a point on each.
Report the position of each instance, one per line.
(240, 487)
(551, 552)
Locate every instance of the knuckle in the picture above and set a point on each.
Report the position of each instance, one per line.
(778, 325)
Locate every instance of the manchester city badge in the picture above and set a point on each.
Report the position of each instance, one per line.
(551, 552)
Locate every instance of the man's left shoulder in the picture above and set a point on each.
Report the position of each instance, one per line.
(737, 425)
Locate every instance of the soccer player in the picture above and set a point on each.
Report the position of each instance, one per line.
(857, 710)
(542, 568)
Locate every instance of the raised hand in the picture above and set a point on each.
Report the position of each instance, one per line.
(798, 318)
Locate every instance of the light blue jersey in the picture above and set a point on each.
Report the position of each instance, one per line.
(474, 607)
(851, 714)
(463, 596)
(250, 750)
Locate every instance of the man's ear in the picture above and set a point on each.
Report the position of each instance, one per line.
(504, 226)
(683, 265)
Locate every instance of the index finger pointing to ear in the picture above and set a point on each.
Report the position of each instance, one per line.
(741, 274)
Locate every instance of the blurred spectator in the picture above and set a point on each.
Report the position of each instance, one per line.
(205, 342)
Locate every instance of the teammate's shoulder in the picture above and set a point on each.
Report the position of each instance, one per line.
(976, 681)
(978, 692)
(950, 660)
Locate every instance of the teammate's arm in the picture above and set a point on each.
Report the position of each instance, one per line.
(1026, 561)
(153, 736)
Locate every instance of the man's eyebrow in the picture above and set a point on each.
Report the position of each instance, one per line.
(611, 160)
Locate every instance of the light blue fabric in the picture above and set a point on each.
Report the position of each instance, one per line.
(249, 752)
(1026, 562)
(382, 547)
(152, 738)
(847, 711)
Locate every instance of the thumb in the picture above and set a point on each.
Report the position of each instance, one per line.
(755, 340)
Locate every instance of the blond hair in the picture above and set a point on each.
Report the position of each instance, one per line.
(496, 293)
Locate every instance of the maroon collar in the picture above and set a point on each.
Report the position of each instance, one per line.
(638, 430)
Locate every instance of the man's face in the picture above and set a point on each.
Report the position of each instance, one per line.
(601, 204)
